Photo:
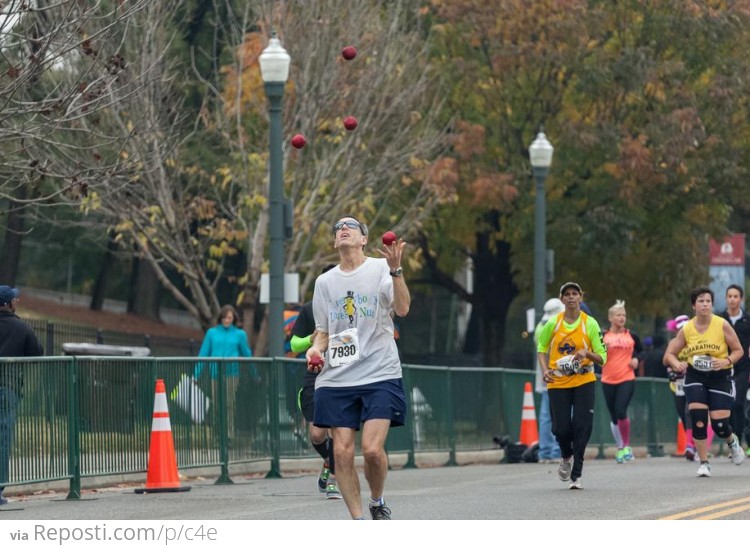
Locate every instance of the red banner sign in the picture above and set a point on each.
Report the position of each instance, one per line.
(730, 251)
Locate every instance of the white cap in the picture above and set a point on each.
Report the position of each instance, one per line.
(552, 307)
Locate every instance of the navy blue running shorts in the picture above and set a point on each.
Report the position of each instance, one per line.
(349, 407)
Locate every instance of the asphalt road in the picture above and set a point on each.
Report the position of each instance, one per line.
(645, 489)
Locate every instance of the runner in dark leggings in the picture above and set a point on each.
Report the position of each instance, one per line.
(618, 377)
(569, 346)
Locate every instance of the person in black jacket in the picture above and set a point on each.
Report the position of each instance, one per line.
(740, 321)
(302, 335)
(16, 339)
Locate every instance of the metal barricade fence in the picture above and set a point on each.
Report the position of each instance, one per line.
(88, 416)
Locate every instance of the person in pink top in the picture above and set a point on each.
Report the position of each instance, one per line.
(618, 377)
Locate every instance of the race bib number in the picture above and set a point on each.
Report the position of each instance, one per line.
(567, 365)
(343, 348)
(702, 363)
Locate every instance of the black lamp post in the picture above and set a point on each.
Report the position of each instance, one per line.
(540, 154)
(274, 68)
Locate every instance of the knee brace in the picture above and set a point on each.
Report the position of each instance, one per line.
(699, 417)
(721, 427)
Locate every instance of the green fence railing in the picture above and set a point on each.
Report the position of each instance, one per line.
(89, 416)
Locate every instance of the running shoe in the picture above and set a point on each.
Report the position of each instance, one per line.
(628, 453)
(736, 450)
(3, 500)
(690, 453)
(566, 465)
(576, 484)
(380, 512)
(332, 492)
(704, 470)
(620, 456)
(325, 473)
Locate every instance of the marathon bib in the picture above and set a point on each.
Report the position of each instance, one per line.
(343, 348)
(703, 363)
(567, 365)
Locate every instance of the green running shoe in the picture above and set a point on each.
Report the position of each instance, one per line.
(325, 472)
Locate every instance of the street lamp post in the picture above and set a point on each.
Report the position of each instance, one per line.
(274, 68)
(540, 154)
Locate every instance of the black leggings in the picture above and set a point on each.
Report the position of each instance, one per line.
(618, 399)
(572, 421)
(680, 404)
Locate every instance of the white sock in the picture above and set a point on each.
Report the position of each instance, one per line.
(616, 433)
(377, 502)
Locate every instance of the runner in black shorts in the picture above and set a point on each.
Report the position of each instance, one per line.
(711, 348)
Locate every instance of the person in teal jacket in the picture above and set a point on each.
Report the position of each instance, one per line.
(223, 341)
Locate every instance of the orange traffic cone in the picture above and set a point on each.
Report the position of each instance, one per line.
(529, 431)
(681, 439)
(162, 463)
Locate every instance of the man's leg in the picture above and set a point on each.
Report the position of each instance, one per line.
(374, 434)
(346, 472)
(8, 405)
(548, 448)
(738, 409)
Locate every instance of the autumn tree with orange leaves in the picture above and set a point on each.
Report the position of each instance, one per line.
(645, 103)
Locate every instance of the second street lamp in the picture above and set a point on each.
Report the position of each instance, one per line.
(274, 68)
(540, 154)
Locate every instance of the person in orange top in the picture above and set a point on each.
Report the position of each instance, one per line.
(569, 346)
(618, 377)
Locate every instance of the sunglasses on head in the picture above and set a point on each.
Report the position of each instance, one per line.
(351, 224)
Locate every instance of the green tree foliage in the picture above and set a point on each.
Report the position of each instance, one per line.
(645, 103)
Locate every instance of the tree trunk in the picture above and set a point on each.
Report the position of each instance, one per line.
(11, 254)
(100, 285)
(494, 292)
(145, 290)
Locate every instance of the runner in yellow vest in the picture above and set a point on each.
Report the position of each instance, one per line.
(710, 348)
(569, 346)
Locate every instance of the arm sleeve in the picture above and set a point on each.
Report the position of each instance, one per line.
(33, 347)
(319, 306)
(205, 350)
(245, 349)
(545, 337)
(301, 344)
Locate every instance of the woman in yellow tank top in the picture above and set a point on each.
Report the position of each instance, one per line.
(710, 347)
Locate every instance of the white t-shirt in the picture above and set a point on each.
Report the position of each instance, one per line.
(363, 300)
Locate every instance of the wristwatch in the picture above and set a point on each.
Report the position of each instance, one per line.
(398, 272)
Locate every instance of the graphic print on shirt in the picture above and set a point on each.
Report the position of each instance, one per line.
(566, 346)
(349, 308)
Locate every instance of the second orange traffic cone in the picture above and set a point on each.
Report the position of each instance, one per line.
(681, 439)
(529, 432)
(162, 474)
